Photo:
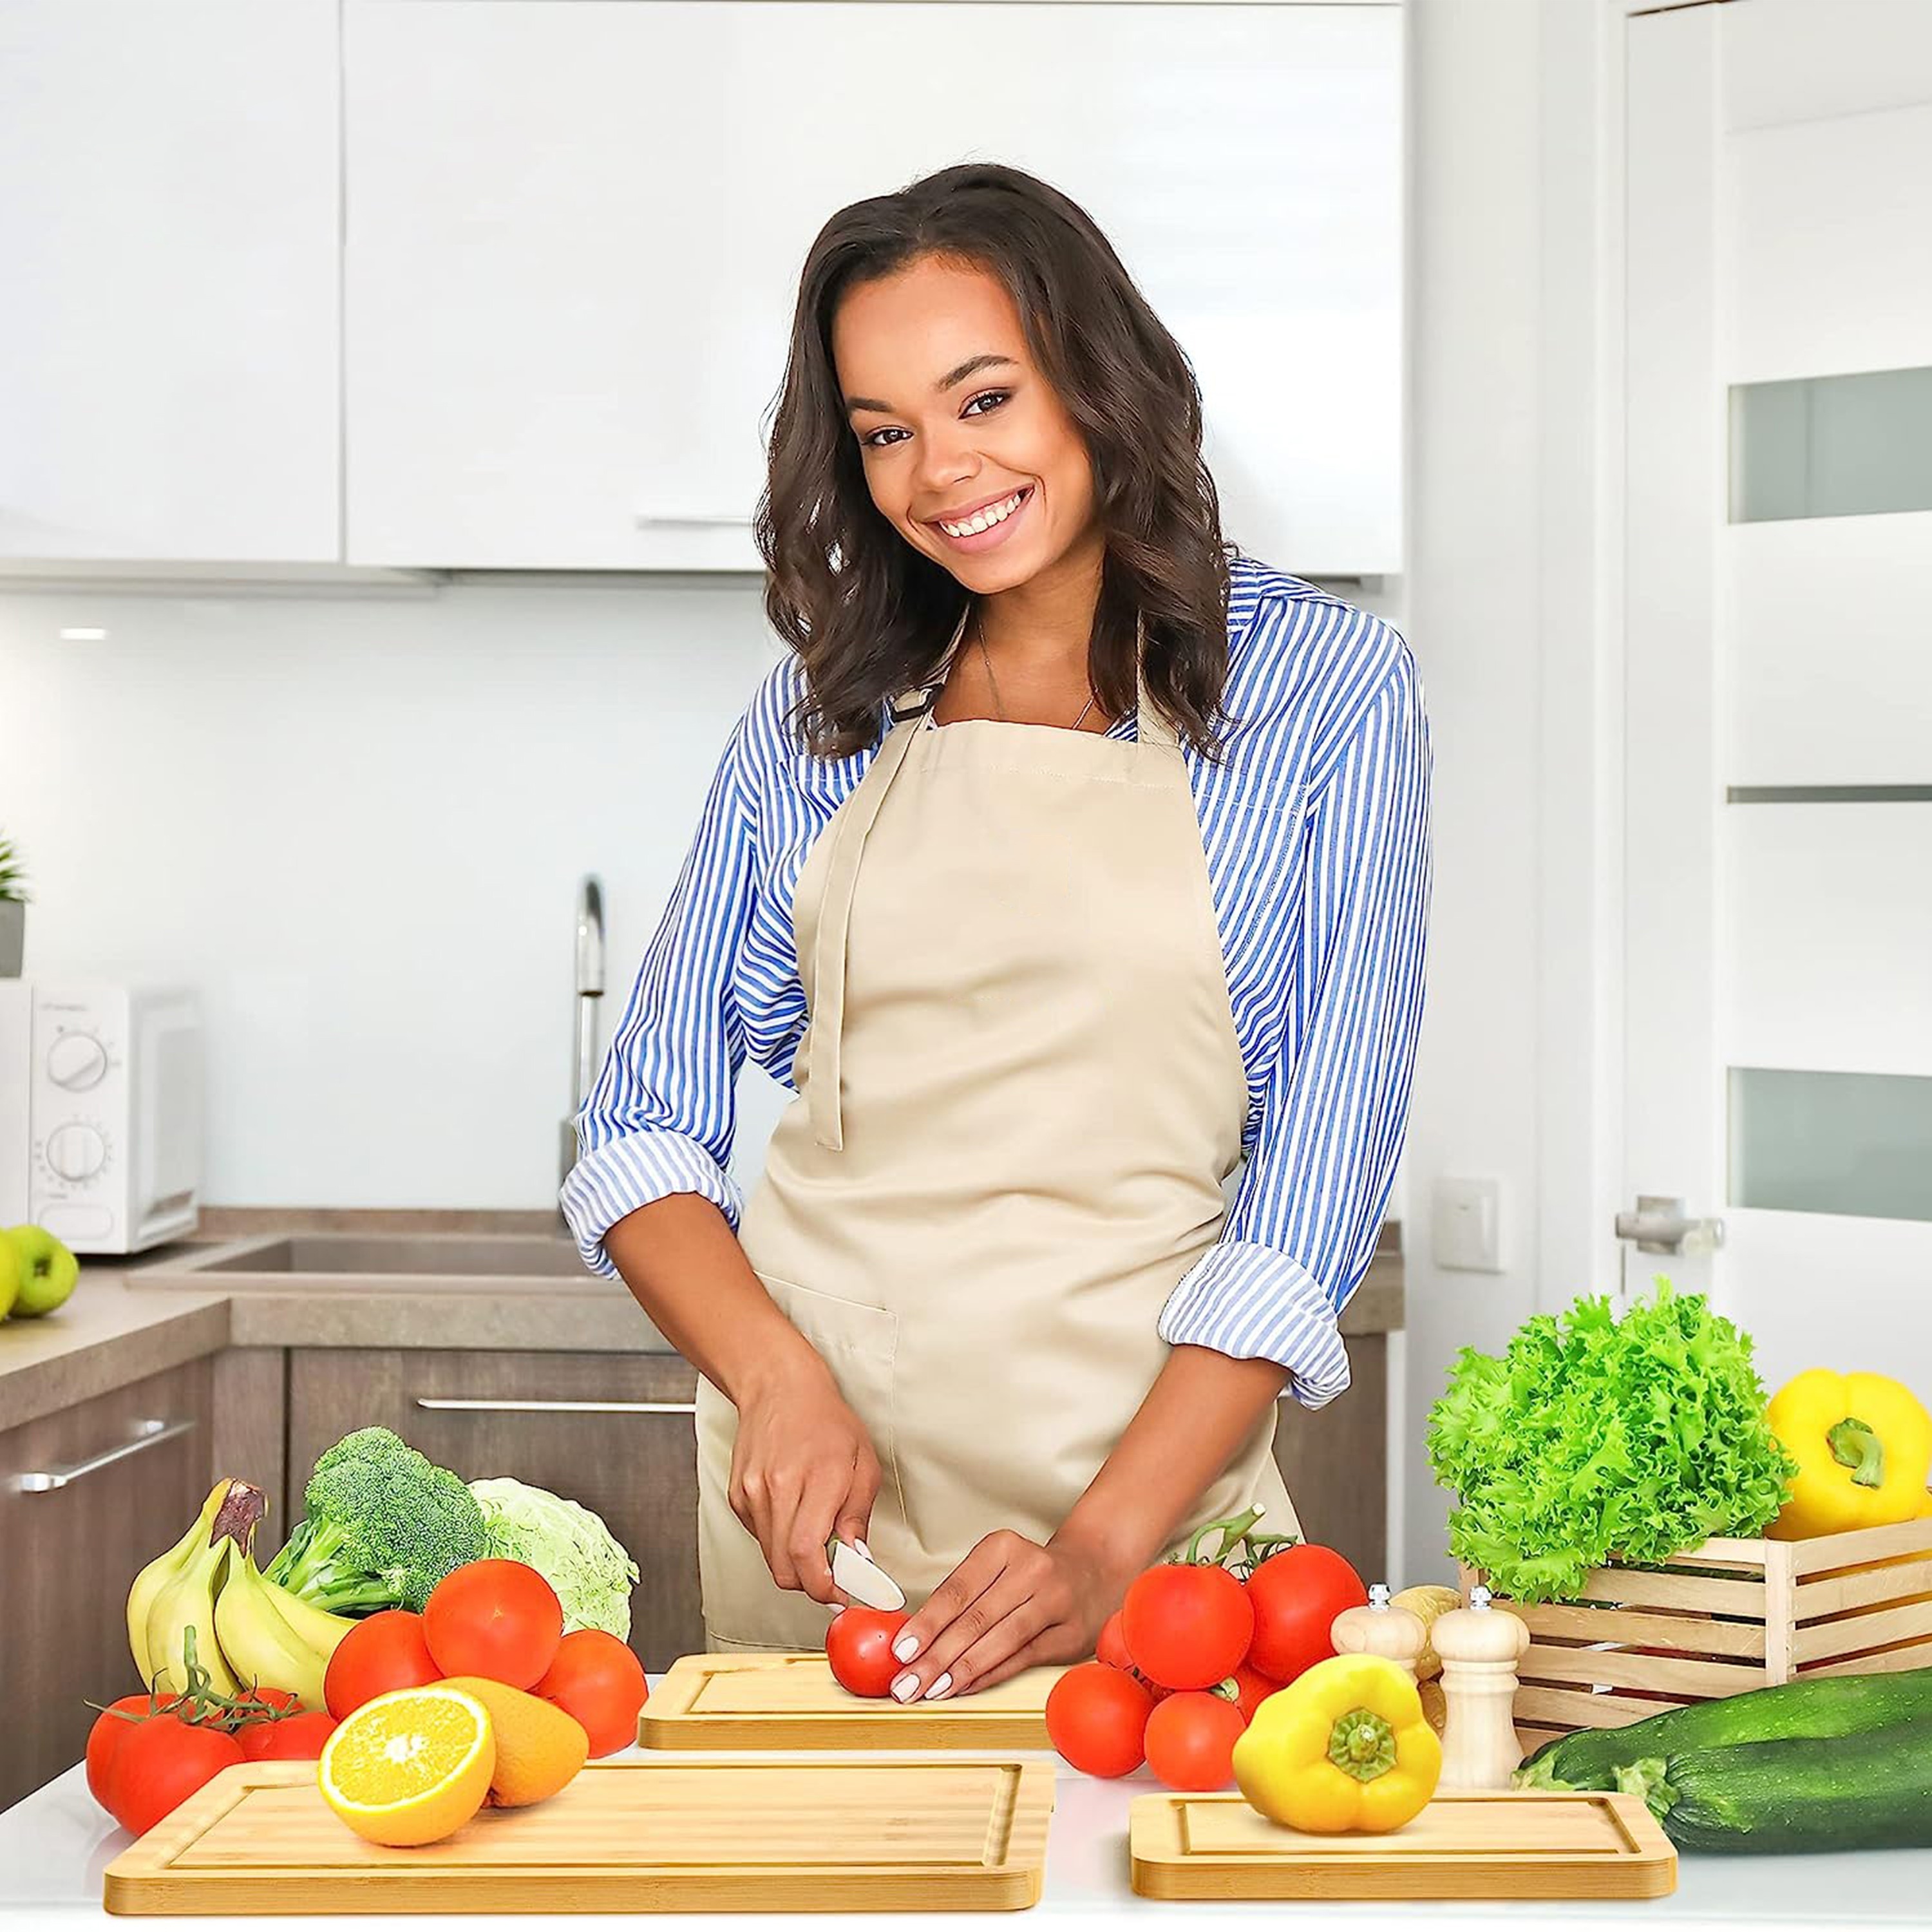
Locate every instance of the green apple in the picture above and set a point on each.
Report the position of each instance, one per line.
(46, 1267)
(11, 1270)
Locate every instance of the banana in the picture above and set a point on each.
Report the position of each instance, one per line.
(187, 1601)
(257, 1640)
(149, 1584)
(321, 1630)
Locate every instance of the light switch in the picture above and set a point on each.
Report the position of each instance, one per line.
(1466, 1225)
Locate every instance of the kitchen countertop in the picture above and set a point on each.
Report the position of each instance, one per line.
(113, 1330)
(56, 1845)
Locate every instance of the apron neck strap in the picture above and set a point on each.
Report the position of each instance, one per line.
(1150, 727)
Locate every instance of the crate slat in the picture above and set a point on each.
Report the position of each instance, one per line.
(1859, 1589)
(1812, 1554)
(1658, 1589)
(1880, 1630)
(1630, 1670)
(1586, 1710)
(1705, 1636)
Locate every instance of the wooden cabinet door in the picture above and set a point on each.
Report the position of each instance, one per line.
(87, 1496)
(575, 235)
(169, 226)
(614, 1432)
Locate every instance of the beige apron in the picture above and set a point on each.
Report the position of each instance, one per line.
(1019, 1095)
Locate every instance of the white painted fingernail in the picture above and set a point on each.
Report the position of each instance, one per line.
(907, 1649)
(858, 1544)
(904, 1685)
(939, 1684)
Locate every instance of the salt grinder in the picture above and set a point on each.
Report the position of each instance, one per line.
(1480, 1647)
(1380, 1629)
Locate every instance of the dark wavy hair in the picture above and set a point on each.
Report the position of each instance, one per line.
(868, 613)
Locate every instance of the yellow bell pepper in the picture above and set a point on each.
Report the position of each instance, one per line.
(1864, 1448)
(1344, 1748)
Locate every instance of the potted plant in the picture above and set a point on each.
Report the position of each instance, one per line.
(13, 897)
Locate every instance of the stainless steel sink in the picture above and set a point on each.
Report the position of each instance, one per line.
(413, 1263)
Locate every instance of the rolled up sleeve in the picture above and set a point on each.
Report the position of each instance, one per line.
(1302, 1228)
(660, 1117)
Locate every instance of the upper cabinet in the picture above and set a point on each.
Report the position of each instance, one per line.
(169, 228)
(574, 235)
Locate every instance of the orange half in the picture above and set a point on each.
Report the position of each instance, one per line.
(409, 1767)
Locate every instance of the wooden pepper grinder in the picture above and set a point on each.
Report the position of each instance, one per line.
(1380, 1628)
(1480, 1647)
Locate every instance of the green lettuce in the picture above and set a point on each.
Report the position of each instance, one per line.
(1591, 1439)
(568, 1545)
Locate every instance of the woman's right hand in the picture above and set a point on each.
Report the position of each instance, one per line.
(803, 1470)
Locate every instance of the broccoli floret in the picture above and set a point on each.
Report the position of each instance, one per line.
(384, 1525)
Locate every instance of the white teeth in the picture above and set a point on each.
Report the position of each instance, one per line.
(985, 519)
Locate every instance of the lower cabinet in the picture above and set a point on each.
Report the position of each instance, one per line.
(1334, 1460)
(614, 1432)
(87, 1496)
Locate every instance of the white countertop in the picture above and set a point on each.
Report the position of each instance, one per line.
(56, 1845)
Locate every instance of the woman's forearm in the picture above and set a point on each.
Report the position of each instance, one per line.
(1203, 1406)
(679, 1258)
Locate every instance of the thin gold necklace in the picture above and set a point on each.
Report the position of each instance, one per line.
(979, 638)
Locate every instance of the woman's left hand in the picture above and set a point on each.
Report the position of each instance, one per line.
(1010, 1604)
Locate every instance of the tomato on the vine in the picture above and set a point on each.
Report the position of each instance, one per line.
(111, 1729)
(1297, 1594)
(1190, 1741)
(1187, 1625)
(1097, 1717)
(1112, 1647)
(859, 1647)
(163, 1763)
(301, 1736)
(1251, 1686)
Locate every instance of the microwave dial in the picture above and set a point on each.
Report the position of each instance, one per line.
(77, 1061)
(77, 1152)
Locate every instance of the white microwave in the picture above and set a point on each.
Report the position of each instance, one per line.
(100, 1101)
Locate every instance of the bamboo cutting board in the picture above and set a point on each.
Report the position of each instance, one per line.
(881, 1837)
(1476, 1844)
(773, 1700)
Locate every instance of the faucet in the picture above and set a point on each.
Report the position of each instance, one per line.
(590, 991)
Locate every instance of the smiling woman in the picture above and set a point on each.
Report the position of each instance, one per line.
(1068, 864)
(936, 377)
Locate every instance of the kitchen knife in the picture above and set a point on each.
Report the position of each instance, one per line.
(861, 1579)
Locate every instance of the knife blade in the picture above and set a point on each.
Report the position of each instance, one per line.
(861, 1579)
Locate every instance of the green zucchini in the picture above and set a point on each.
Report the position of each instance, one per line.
(1868, 1791)
(1814, 1707)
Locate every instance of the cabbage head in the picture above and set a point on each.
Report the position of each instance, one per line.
(567, 1545)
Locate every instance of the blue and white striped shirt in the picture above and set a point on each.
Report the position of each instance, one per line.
(1322, 913)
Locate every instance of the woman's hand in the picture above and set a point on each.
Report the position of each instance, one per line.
(802, 1470)
(1010, 1604)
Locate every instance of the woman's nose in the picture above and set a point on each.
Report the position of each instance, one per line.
(947, 459)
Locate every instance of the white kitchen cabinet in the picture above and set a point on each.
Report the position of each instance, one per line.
(574, 234)
(170, 236)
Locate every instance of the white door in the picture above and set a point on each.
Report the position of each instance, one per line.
(1778, 774)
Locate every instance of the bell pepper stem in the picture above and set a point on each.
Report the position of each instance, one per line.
(1362, 1744)
(1856, 1445)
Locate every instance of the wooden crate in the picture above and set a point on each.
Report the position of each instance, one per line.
(1736, 1614)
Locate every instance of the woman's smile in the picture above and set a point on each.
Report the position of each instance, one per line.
(987, 528)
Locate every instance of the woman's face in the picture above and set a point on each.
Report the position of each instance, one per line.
(954, 423)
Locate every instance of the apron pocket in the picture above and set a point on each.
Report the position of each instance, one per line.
(860, 1344)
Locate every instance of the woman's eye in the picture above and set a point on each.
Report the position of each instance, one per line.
(995, 397)
(872, 442)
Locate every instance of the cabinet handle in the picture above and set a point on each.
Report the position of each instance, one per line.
(148, 1435)
(487, 1406)
(649, 520)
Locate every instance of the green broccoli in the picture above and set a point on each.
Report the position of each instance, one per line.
(384, 1525)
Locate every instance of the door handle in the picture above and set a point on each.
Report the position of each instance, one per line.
(1659, 1226)
(148, 1435)
(490, 1405)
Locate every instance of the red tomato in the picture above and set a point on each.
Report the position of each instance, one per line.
(1251, 1687)
(1187, 1625)
(104, 1741)
(597, 1679)
(1190, 1741)
(498, 1618)
(1297, 1594)
(1097, 1717)
(859, 1647)
(1112, 1648)
(163, 1763)
(302, 1735)
(384, 1652)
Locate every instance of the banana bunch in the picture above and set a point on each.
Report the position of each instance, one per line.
(246, 1632)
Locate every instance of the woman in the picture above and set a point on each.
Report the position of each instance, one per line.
(1096, 858)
